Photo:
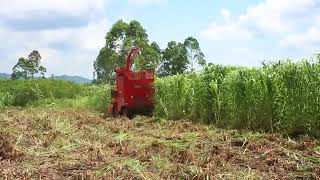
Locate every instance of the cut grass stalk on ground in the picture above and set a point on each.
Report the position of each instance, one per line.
(65, 144)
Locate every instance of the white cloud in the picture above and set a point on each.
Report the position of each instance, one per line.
(228, 31)
(302, 40)
(225, 13)
(260, 18)
(271, 17)
(85, 44)
(269, 29)
(64, 50)
(289, 6)
(70, 7)
(90, 37)
(306, 39)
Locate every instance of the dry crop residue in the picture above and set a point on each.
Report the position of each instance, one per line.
(69, 144)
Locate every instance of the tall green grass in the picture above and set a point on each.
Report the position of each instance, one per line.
(56, 93)
(279, 97)
(96, 97)
(282, 97)
(24, 92)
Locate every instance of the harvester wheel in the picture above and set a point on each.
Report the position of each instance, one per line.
(114, 112)
(128, 113)
(148, 112)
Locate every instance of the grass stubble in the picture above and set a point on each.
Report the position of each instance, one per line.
(42, 143)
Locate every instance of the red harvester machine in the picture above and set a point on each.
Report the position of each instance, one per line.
(134, 90)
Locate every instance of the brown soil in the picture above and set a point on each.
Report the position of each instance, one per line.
(69, 144)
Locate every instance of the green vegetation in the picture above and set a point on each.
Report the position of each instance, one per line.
(281, 97)
(25, 92)
(54, 93)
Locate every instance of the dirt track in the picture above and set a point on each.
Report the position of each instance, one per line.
(68, 144)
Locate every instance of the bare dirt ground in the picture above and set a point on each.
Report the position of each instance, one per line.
(40, 143)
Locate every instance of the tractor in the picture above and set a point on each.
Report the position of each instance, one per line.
(134, 90)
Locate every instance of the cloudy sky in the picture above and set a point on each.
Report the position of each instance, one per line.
(70, 33)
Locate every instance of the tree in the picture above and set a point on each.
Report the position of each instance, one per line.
(28, 67)
(178, 56)
(20, 69)
(150, 56)
(119, 40)
(105, 63)
(195, 54)
(174, 59)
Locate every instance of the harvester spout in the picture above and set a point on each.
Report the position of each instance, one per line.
(130, 57)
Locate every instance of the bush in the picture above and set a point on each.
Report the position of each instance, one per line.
(24, 92)
(6, 99)
(98, 97)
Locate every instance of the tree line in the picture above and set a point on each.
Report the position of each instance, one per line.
(176, 58)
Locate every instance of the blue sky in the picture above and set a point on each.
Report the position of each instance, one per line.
(69, 34)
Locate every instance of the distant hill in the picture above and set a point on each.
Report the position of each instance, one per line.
(75, 79)
(5, 76)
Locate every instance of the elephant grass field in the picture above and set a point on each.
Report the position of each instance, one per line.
(279, 97)
(213, 124)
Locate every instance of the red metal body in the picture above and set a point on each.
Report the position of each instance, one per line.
(134, 90)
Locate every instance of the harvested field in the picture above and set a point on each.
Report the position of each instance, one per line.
(39, 143)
